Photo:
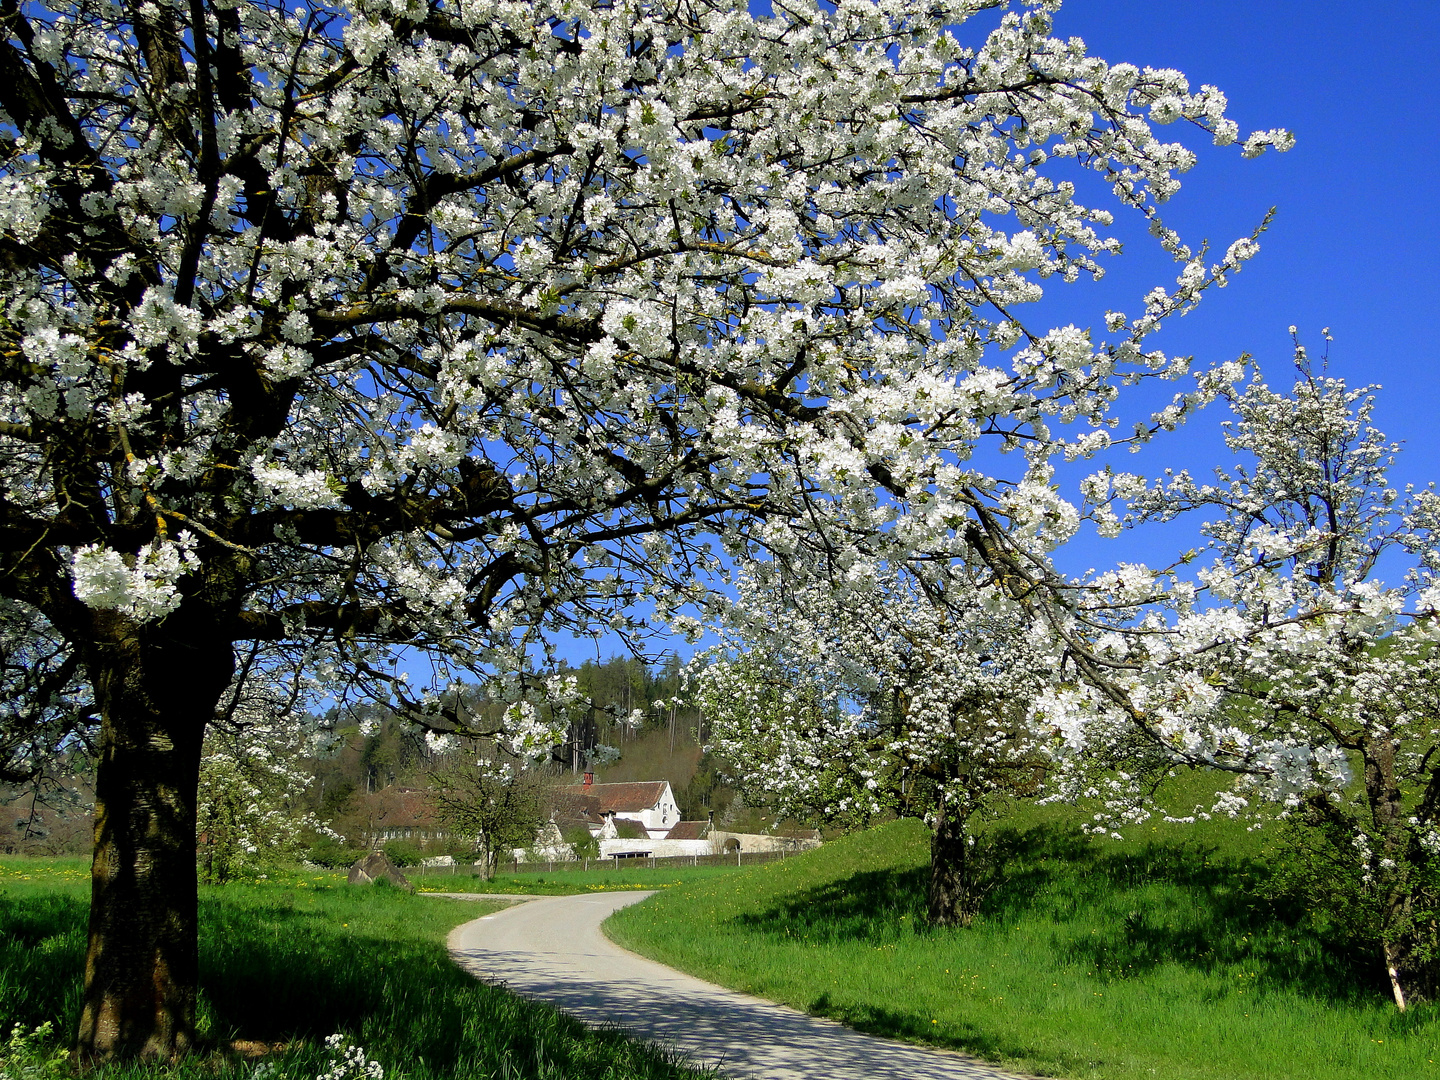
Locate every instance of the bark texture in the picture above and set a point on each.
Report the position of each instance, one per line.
(956, 888)
(156, 687)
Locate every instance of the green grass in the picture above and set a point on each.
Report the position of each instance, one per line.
(1154, 958)
(567, 882)
(292, 960)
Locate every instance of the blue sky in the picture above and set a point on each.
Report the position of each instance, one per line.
(1355, 244)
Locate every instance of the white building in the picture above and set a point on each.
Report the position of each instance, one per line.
(642, 819)
(650, 804)
(684, 838)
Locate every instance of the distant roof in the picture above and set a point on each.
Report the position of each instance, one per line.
(624, 798)
(397, 807)
(575, 802)
(688, 830)
(569, 824)
(573, 807)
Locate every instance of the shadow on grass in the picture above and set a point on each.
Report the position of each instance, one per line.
(875, 906)
(957, 1035)
(1121, 912)
(42, 953)
(281, 973)
(275, 973)
(1179, 903)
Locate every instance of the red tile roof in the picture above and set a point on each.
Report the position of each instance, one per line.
(575, 802)
(570, 824)
(624, 798)
(400, 808)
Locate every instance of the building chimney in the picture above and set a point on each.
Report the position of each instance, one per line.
(589, 779)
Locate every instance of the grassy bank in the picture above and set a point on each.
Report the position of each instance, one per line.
(1140, 960)
(285, 963)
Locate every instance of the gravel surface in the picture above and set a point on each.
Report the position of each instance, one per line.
(551, 948)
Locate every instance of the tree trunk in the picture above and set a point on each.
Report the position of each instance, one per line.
(1404, 964)
(156, 686)
(1397, 990)
(954, 892)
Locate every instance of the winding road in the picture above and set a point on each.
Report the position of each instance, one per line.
(551, 948)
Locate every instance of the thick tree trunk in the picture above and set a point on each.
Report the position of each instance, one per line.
(156, 687)
(954, 892)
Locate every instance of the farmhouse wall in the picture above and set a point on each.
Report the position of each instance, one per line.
(661, 848)
(763, 841)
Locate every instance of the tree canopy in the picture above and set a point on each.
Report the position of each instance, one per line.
(448, 325)
(1285, 658)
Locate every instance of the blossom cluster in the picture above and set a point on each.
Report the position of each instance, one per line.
(349, 1061)
(844, 703)
(454, 327)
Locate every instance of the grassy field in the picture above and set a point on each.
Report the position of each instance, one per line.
(567, 882)
(285, 963)
(1154, 958)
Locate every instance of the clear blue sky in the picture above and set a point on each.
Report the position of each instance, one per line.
(1354, 241)
(1355, 244)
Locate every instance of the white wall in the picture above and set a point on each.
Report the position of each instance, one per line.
(761, 842)
(658, 819)
(661, 849)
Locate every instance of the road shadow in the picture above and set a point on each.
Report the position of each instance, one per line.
(957, 1036)
(747, 1039)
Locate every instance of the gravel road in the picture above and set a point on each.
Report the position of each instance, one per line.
(551, 948)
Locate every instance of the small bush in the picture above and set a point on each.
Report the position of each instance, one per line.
(457, 847)
(332, 854)
(33, 1055)
(403, 853)
(582, 843)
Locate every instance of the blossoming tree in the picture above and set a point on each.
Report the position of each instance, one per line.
(446, 325)
(489, 798)
(252, 776)
(842, 702)
(1285, 661)
(247, 819)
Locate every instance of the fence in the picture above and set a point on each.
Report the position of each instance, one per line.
(647, 862)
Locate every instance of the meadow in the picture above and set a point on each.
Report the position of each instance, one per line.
(1160, 956)
(1165, 955)
(289, 961)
